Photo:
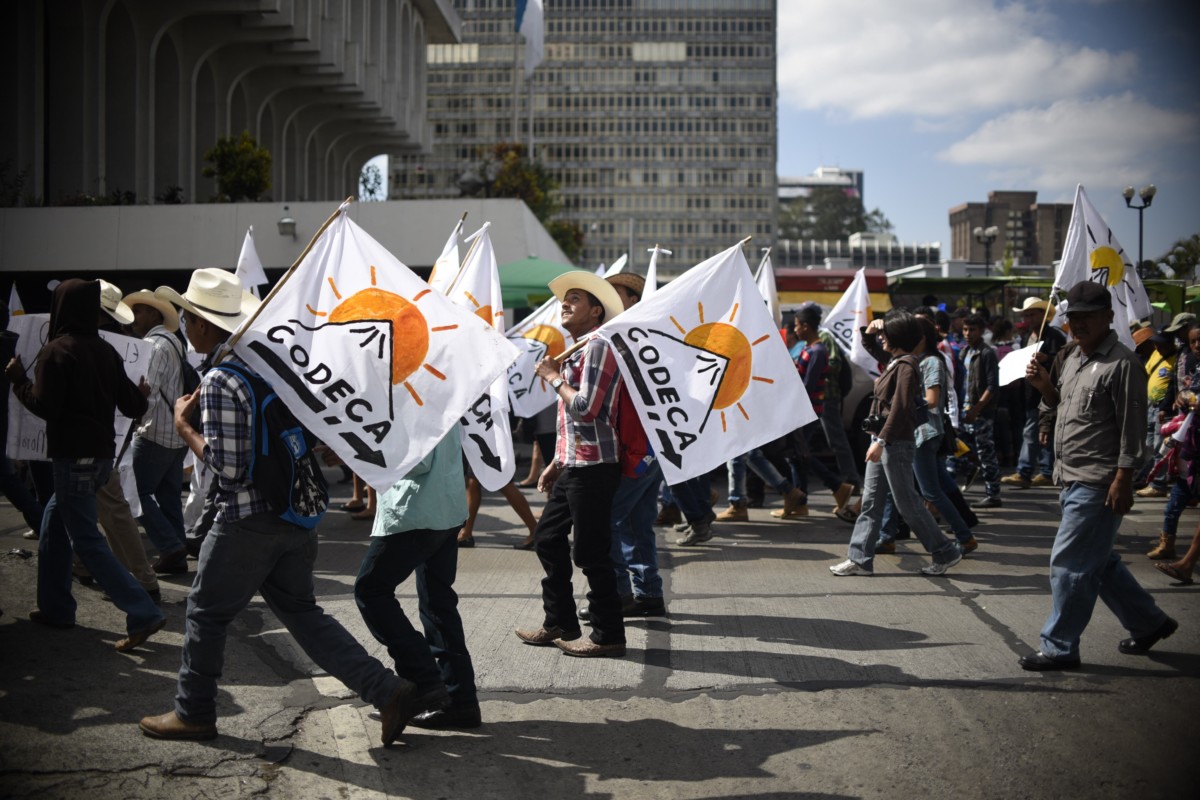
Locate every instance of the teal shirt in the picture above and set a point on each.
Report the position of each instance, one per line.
(432, 496)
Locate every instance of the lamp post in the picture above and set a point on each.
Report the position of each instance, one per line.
(1147, 194)
(985, 236)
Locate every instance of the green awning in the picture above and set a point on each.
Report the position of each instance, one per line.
(524, 283)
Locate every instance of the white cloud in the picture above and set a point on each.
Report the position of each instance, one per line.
(931, 58)
(1110, 141)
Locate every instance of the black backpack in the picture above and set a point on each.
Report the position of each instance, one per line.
(283, 466)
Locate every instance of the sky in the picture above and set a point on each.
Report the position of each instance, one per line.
(942, 101)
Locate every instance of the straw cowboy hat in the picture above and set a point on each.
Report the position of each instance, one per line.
(148, 298)
(215, 295)
(110, 301)
(594, 285)
(632, 282)
(1034, 303)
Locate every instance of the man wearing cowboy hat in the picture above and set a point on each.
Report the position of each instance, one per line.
(249, 548)
(79, 384)
(1034, 456)
(582, 480)
(158, 452)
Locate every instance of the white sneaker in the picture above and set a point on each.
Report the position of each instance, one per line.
(940, 569)
(848, 567)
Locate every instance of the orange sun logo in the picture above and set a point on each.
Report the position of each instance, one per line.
(725, 340)
(548, 335)
(410, 331)
(485, 313)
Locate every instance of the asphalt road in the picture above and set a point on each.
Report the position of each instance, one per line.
(770, 678)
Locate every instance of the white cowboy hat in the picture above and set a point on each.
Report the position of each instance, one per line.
(216, 295)
(110, 301)
(594, 285)
(148, 298)
(1036, 303)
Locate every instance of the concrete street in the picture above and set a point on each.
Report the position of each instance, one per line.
(770, 678)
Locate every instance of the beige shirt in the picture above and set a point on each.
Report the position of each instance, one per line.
(1101, 414)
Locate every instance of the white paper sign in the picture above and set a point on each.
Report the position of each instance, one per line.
(1012, 366)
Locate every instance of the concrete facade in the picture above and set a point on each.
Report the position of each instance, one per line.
(1035, 230)
(123, 98)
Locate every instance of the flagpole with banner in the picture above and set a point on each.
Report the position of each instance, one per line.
(847, 318)
(249, 266)
(447, 265)
(538, 335)
(765, 279)
(1092, 253)
(367, 356)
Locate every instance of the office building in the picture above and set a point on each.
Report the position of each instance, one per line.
(1035, 231)
(656, 117)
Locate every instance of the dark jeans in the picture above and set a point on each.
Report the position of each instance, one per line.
(159, 473)
(694, 498)
(1178, 500)
(264, 555)
(582, 500)
(440, 656)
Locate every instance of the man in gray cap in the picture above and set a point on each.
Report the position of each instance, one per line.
(1099, 442)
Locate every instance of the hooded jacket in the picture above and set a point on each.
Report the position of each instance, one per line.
(80, 380)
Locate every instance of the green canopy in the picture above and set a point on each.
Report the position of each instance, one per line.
(524, 283)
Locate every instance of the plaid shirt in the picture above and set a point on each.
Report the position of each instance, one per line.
(158, 423)
(227, 415)
(585, 431)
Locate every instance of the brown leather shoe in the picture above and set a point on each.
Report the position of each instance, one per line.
(397, 712)
(170, 726)
(138, 637)
(543, 638)
(586, 648)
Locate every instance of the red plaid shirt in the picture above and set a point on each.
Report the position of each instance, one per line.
(585, 426)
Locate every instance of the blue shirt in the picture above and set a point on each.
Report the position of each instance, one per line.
(432, 496)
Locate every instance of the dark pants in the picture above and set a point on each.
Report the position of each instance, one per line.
(440, 656)
(582, 500)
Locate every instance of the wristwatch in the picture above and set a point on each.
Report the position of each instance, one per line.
(557, 382)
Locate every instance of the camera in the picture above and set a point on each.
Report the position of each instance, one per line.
(873, 423)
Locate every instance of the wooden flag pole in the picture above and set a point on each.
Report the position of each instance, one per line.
(275, 289)
(570, 351)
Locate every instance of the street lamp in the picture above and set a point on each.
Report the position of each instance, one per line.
(1147, 194)
(985, 236)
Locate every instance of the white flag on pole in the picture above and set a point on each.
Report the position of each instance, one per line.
(375, 363)
(486, 434)
(15, 308)
(849, 315)
(652, 273)
(706, 368)
(445, 269)
(765, 280)
(616, 267)
(1092, 253)
(249, 267)
(531, 25)
(538, 335)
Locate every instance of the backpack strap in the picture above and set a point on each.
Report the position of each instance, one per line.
(179, 355)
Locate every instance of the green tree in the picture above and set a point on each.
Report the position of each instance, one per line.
(1182, 259)
(505, 171)
(241, 167)
(829, 213)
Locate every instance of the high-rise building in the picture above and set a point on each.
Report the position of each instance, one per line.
(656, 117)
(1034, 231)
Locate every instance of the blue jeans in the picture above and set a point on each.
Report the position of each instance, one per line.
(70, 523)
(835, 435)
(982, 433)
(634, 550)
(440, 656)
(1083, 566)
(762, 466)
(14, 489)
(692, 497)
(1032, 451)
(929, 482)
(1176, 503)
(262, 554)
(159, 474)
(894, 473)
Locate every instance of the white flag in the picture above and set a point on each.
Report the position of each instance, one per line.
(601, 270)
(531, 25)
(706, 368)
(15, 308)
(375, 363)
(445, 269)
(616, 267)
(486, 434)
(1092, 253)
(849, 315)
(249, 268)
(538, 335)
(765, 279)
(652, 273)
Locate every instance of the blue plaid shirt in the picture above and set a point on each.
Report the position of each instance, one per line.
(227, 415)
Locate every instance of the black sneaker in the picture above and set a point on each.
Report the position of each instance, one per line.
(644, 607)
(987, 502)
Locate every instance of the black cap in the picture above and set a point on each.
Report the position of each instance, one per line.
(1163, 336)
(1088, 296)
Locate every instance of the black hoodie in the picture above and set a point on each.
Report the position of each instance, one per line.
(80, 379)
